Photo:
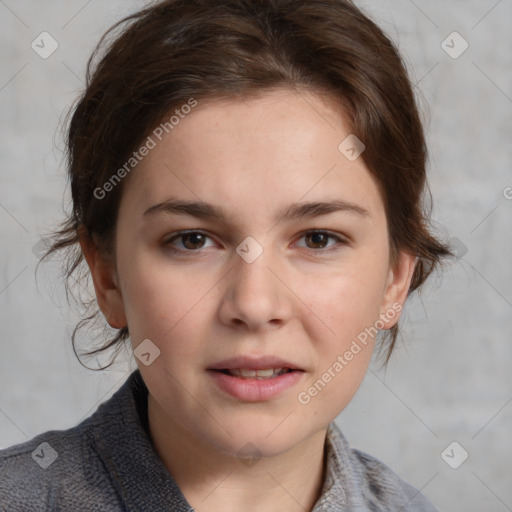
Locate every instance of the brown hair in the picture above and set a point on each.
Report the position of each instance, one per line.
(161, 57)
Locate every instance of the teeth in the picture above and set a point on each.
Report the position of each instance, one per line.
(263, 374)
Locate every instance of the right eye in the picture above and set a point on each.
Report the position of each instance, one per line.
(190, 241)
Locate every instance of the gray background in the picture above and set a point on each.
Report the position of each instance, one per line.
(450, 378)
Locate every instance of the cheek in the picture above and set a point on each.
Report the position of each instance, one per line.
(348, 300)
(158, 297)
(348, 306)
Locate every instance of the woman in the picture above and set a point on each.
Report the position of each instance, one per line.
(247, 180)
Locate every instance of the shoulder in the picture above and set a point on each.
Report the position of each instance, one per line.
(35, 472)
(370, 483)
(60, 469)
(382, 483)
(56, 470)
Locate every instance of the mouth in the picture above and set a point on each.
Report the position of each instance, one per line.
(255, 367)
(255, 380)
(247, 373)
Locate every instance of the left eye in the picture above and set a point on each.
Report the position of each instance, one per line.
(319, 239)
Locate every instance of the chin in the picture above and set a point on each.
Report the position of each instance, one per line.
(259, 439)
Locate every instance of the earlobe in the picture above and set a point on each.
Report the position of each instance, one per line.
(397, 288)
(108, 294)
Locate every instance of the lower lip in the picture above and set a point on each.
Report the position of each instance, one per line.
(255, 390)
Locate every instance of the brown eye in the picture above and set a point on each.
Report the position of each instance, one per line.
(318, 239)
(188, 242)
(193, 240)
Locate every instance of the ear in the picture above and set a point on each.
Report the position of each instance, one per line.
(397, 288)
(104, 276)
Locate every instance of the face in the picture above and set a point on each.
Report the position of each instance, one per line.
(269, 278)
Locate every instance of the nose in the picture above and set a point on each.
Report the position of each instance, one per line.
(255, 295)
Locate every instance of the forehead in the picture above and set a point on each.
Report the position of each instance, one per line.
(255, 154)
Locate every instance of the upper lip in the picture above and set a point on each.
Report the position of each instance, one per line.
(253, 363)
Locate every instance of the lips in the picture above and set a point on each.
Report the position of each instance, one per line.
(245, 366)
(260, 382)
(258, 374)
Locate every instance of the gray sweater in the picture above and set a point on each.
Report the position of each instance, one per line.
(107, 463)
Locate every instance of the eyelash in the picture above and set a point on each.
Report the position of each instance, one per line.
(181, 234)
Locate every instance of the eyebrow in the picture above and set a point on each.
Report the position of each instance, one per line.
(303, 210)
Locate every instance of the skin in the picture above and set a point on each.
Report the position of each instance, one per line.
(253, 157)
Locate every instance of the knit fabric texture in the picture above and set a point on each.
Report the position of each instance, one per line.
(107, 463)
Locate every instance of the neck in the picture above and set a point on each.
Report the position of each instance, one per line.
(212, 480)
